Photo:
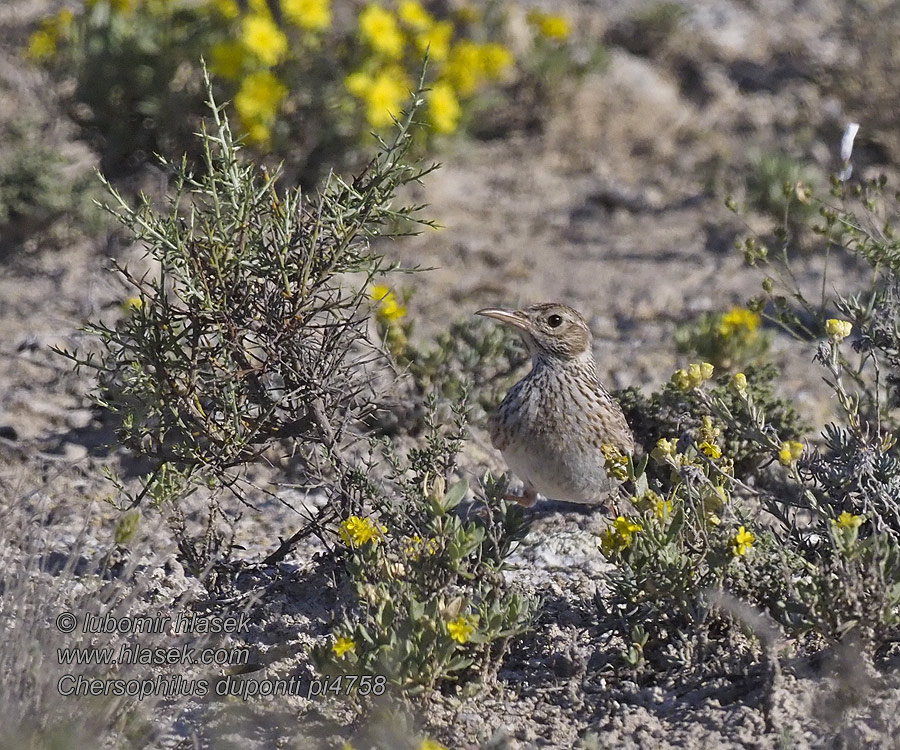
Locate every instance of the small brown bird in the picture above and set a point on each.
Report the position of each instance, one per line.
(553, 422)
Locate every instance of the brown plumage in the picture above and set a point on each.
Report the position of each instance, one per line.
(552, 423)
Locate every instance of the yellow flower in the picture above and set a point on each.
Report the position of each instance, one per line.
(313, 15)
(738, 319)
(790, 452)
(383, 95)
(436, 41)
(261, 36)
(619, 536)
(132, 304)
(549, 25)
(463, 69)
(258, 133)
(742, 542)
(342, 645)
(663, 509)
(443, 108)
(227, 8)
(430, 744)
(389, 309)
(848, 521)
(461, 629)
(380, 30)
(227, 60)
(414, 15)
(838, 329)
(739, 382)
(615, 461)
(42, 45)
(710, 449)
(664, 449)
(681, 380)
(259, 97)
(356, 531)
(495, 59)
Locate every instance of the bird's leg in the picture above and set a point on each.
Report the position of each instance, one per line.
(528, 497)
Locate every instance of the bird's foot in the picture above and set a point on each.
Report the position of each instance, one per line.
(527, 499)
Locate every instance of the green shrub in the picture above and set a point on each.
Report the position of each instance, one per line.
(308, 78)
(250, 330)
(431, 605)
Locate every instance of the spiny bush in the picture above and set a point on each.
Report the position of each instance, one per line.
(250, 327)
(309, 79)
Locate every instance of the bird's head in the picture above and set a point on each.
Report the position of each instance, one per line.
(550, 330)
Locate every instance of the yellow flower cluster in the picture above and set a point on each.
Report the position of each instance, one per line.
(738, 320)
(708, 435)
(790, 452)
(549, 25)
(382, 84)
(257, 102)
(739, 382)
(389, 309)
(312, 15)
(847, 521)
(616, 462)
(742, 542)
(383, 93)
(461, 629)
(695, 375)
(356, 531)
(838, 329)
(342, 645)
(43, 43)
(619, 536)
(415, 546)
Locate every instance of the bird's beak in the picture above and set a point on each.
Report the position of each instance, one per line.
(512, 318)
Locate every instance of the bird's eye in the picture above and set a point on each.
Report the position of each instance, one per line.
(554, 321)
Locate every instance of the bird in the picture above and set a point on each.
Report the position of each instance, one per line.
(555, 424)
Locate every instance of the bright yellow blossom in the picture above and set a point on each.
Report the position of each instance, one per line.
(342, 645)
(710, 449)
(414, 15)
(838, 329)
(738, 320)
(739, 382)
(430, 744)
(663, 509)
(619, 536)
(44, 42)
(550, 25)
(848, 521)
(132, 304)
(494, 59)
(259, 97)
(742, 542)
(356, 531)
(227, 60)
(389, 309)
(227, 8)
(463, 68)
(262, 37)
(380, 30)
(436, 41)
(443, 108)
(790, 452)
(312, 15)
(461, 629)
(383, 94)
